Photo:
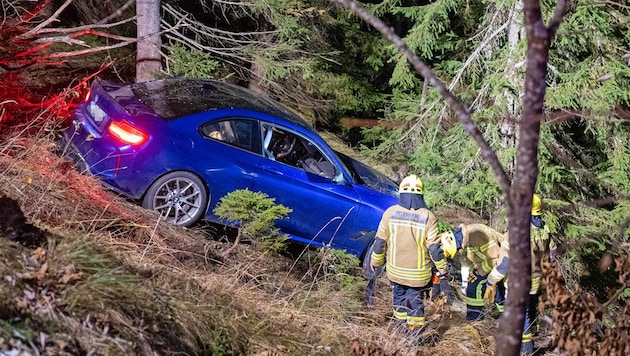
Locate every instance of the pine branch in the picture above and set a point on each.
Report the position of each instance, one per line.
(461, 111)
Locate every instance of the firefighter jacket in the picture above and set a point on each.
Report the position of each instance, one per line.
(486, 251)
(540, 245)
(403, 240)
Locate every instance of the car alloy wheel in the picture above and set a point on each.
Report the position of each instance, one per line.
(180, 198)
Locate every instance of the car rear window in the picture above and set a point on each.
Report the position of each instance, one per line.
(177, 97)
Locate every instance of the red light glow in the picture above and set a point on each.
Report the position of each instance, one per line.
(87, 95)
(127, 133)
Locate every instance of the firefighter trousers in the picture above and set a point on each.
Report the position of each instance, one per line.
(408, 303)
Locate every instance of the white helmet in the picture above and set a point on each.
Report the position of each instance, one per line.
(411, 184)
(449, 245)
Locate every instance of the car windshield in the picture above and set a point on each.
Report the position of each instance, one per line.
(369, 177)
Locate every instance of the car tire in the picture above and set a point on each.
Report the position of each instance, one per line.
(367, 257)
(180, 197)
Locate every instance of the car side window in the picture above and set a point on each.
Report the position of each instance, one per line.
(295, 150)
(239, 132)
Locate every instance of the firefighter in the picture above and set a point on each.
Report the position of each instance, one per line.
(541, 247)
(486, 252)
(407, 242)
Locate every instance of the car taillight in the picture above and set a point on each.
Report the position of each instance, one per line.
(127, 133)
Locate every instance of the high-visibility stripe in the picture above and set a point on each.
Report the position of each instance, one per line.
(392, 246)
(419, 233)
(485, 247)
(421, 271)
(539, 234)
(496, 275)
(535, 284)
(480, 252)
(400, 315)
(475, 302)
(407, 223)
(377, 258)
(415, 321)
(441, 264)
(408, 273)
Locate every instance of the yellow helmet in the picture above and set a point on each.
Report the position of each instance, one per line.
(411, 184)
(449, 246)
(536, 203)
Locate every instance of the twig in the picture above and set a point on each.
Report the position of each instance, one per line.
(52, 18)
(117, 12)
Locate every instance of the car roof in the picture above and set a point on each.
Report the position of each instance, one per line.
(177, 97)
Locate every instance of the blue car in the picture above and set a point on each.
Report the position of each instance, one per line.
(178, 145)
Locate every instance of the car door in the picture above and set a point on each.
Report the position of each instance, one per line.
(228, 154)
(323, 211)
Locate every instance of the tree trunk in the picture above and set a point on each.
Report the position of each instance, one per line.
(148, 60)
(508, 341)
(257, 78)
(511, 98)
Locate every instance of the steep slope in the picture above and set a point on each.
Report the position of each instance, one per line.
(109, 278)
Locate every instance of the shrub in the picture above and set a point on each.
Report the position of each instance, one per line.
(254, 213)
(334, 265)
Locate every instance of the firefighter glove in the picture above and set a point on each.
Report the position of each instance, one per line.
(490, 294)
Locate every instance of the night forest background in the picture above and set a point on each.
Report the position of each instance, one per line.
(94, 274)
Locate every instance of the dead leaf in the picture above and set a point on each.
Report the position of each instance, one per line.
(39, 253)
(69, 274)
(42, 271)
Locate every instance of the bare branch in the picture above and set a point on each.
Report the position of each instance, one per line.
(36, 11)
(476, 52)
(454, 103)
(117, 12)
(48, 21)
(556, 20)
(234, 3)
(613, 3)
(79, 53)
(84, 27)
(70, 39)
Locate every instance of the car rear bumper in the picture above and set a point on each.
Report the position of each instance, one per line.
(70, 152)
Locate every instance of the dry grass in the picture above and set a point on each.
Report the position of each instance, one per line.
(112, 279)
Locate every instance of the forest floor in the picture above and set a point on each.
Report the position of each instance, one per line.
(87, 272)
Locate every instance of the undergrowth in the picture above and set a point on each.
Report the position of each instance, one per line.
(111, 278)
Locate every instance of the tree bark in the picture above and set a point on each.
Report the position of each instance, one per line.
(508, 341)
(148, 59)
